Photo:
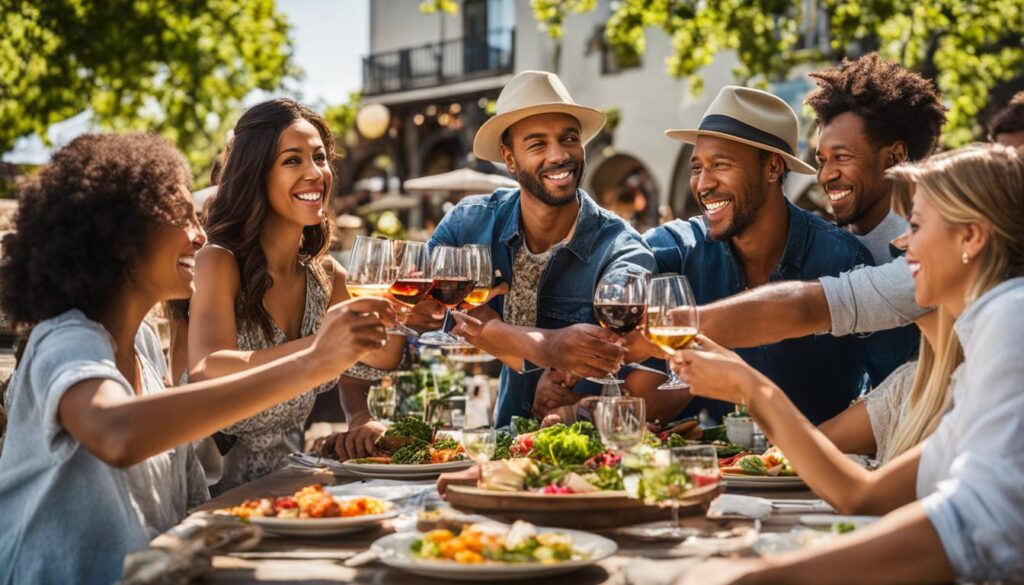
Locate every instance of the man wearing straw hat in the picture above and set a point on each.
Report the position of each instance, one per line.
(749, 235)
(549, 241)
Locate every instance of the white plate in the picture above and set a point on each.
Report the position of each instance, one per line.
(319, 526)
(762, 481)
(404, 471)
(394, 552)
(828, 520)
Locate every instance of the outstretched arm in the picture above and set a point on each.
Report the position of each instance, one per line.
(851, 489)
(767, 314)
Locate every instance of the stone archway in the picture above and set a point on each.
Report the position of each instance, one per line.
(680, 197)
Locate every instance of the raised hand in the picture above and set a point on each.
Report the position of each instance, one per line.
(553, 391)
(584, 350)
(352, 329)
(716, 372)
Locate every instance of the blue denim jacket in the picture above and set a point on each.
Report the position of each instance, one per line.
(821, 374)
(565, 296)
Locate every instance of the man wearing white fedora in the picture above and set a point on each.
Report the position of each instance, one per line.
(750, 235)
(549, 241)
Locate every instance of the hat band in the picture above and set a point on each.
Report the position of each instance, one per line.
(732, 126)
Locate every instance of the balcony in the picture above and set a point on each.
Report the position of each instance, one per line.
(440, 63)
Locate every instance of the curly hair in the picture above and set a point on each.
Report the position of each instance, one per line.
(896, 104)
(1010, 119)
(85, 221)
(236, 215)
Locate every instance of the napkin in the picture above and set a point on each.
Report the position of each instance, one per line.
(727, 505)
(648, 572)
(183, 553)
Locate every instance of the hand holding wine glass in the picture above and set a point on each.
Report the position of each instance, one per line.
(450, 284)
(619, 302)
(671, 319)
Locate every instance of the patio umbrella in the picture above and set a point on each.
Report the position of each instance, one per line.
(460, 180)
(389, 201)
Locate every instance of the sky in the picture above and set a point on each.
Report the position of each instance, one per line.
(330, 38)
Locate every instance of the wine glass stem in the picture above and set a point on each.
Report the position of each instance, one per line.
(675, 514)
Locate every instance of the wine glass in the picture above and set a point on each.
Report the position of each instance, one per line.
(670, 478)
(371, 270)
(619, 302)
(411, 279)
(480, 445)
(621, 422)
(671, 319)
(381, 401)
(478, 258)
(450, 283)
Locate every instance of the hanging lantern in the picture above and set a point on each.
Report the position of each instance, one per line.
(372, 121)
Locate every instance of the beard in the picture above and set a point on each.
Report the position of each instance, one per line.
(535, 184)
(745, 214)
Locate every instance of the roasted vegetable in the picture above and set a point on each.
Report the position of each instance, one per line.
(408, 431)
(411, 454)
(753, 465)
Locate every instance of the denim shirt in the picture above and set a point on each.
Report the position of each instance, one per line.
(600, 242)
(821, 374)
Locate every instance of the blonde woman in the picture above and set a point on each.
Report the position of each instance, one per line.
(954, 505)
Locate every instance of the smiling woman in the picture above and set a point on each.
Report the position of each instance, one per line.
(104, 232)
(265, 283)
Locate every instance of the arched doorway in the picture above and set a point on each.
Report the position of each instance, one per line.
(623, 185)
(680, 197)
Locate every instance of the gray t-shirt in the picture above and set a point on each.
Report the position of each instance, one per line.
(67, 516)
(871, 298)
(877, 240)
(886, 407)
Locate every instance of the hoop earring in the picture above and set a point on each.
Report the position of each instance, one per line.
(965, 257)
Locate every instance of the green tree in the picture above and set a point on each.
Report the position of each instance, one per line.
(967, 46)
(180, 68)
(341, 119)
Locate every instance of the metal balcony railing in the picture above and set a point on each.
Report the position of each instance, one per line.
(439, 63)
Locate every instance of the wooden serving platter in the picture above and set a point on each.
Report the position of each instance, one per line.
(583, 511)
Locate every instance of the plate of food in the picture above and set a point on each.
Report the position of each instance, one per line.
(559, 476)
(313, 511)
(482, 552)
(768, 470)
(410, 449)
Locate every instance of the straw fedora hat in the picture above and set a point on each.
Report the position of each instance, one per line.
(527, 94)
(753, 117)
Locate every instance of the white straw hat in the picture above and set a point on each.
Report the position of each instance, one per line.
(528, 94)
(753, 117)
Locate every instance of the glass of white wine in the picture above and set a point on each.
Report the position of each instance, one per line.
(381, 401)
(480, 445)
(671, 319)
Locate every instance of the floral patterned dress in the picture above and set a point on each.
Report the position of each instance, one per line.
(263, 442)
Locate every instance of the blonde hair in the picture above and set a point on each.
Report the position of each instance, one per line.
(929, 396)
(977, 184)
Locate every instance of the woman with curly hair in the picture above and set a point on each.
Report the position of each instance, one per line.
(264, 282)
(94, 450)
(953, 505)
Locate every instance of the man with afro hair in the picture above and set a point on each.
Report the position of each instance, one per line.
(872, 114)
(1007, 126)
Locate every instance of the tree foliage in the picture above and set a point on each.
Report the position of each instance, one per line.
(178, 67)
(341, 119)
(967, 46)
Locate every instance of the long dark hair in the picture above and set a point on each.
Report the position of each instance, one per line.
(237, 213)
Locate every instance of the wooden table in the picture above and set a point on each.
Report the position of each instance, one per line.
(236, 569)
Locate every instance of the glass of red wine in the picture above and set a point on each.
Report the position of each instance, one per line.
(450, 284)
(619, 303)
(412, 265)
